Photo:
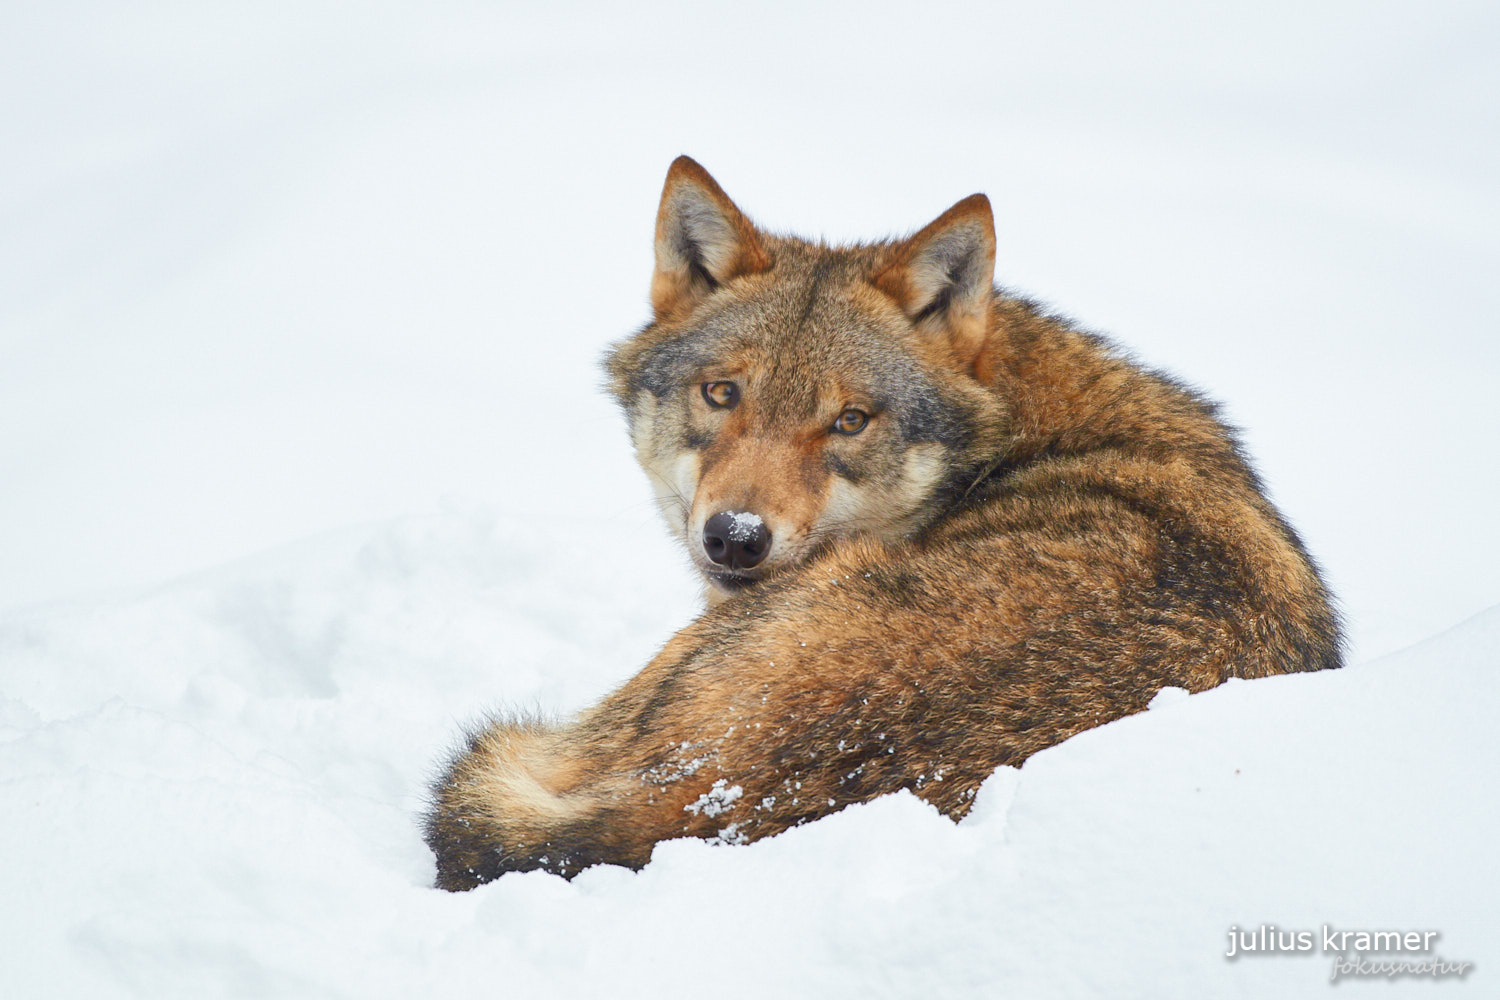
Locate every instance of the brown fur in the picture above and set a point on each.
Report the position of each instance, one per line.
(1043, 535)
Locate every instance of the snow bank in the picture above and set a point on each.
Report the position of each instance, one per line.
(212, 789)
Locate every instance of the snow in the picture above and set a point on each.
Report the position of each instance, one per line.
(1167, 696)
(716, 799)
(742, 525)
(211, 789)
(304, 467)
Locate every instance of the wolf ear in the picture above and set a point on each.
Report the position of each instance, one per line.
(702, 239)
(942, 277)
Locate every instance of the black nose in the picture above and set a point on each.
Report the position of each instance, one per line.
(736, 540)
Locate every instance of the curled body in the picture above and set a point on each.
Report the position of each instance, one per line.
(939, 531)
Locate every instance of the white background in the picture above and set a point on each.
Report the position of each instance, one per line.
(270, 273)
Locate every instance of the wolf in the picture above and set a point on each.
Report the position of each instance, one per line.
(940, 529)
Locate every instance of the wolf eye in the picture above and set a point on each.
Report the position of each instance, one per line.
(721, 395)
(851, 422)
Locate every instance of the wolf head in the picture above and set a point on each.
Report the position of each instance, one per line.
(789, 394)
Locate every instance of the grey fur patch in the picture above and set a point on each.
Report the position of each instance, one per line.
(925, 416)
(672, 363)
(839, 467)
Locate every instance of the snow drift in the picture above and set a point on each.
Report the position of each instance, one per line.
(212, 789)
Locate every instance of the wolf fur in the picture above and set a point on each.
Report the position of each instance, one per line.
(1027, 535)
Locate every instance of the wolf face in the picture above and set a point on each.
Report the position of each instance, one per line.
(788, 394)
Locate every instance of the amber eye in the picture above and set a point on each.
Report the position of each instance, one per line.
(721, 395)
(851, 422)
